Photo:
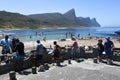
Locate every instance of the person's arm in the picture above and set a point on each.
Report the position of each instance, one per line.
(98, 46)
(112, 45)
(2, 43)
(104, 45)
(15, 50)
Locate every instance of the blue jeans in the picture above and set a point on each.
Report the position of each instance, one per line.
(73, 52)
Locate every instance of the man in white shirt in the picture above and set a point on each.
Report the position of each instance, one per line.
(39, 53)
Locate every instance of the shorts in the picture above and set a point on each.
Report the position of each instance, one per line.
(108, 52)
(73, 52)
(19, 57)
(39, 57)
(56, 56)
(100, 53)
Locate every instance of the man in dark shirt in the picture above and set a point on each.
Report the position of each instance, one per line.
(19, 47)
(56, 56)
(108, 47)
(100, 49)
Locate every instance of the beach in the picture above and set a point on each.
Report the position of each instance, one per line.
(68, 42)
(81, 42)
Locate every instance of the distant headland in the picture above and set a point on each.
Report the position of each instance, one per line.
(9, 20)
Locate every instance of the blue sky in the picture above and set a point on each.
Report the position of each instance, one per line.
(107, 12)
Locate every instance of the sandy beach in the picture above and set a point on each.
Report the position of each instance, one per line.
(82, 42)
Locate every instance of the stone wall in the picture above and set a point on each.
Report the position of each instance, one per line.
(66, 54)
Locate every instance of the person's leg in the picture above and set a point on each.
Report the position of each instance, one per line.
(100, 56)
(107, 54)
(53, 60)
(3, 55)
(41, 60)
(58, 61)
(74, 54)
(71, 55)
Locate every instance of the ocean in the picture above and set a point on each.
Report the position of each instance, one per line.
(26, 35)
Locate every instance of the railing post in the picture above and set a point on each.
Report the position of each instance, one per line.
(12, 75)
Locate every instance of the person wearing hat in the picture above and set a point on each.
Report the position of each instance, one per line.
(108, 45)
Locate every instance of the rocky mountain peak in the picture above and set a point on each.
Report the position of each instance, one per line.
(70, 13)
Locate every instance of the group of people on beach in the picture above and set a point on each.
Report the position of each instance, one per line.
(17, 46)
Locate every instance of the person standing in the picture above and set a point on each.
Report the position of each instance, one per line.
(39, 53)
(74, 49)
(56, 55)
(100, 49)
(19, 56)
(6, 45)
(108, 45)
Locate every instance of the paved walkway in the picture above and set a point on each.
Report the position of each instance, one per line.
(86, 70)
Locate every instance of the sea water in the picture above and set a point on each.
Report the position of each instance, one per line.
(60, 33)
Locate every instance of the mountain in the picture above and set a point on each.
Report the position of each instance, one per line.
(89, 21)
(68, 19)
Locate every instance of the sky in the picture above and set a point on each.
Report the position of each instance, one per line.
(107, 12)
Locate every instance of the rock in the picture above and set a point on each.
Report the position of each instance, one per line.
(95, 60)
(41, 68)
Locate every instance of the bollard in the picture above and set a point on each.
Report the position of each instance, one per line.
(69, 61)
(34, 70)
(109, 62)
(95, 60)
(58, 63)
(41, 69)
(12, 75)
(46, 66)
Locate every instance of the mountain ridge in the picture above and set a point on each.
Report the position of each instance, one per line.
(68, 19)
